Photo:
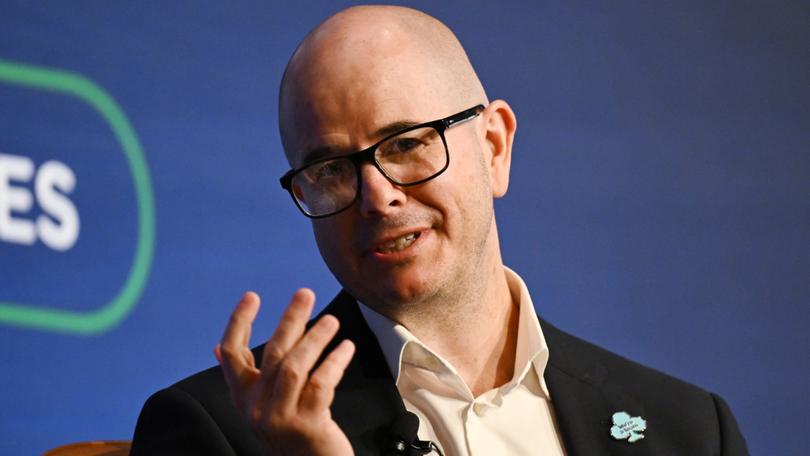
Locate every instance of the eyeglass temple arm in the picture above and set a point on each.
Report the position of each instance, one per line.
(463, 116)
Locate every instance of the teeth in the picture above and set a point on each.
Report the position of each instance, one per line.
(398, 244)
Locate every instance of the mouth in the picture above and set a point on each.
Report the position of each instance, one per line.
(399, 244)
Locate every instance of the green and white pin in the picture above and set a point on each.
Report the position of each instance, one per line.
(626, 427)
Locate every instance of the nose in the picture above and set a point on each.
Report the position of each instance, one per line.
(378, 195)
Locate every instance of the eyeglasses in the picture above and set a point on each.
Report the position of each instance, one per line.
(408, 157)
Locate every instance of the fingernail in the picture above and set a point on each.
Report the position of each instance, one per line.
(329, 323)
(346, 347)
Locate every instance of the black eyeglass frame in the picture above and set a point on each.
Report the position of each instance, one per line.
(367, 155)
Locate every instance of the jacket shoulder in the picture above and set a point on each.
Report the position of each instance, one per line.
(679, 414)
(587, 361)
(193, 416)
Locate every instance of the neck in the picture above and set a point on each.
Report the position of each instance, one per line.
(475, 329)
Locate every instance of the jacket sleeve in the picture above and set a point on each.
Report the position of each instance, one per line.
(732, 442)
(173, 423)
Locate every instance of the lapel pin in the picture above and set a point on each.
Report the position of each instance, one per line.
(626, 427)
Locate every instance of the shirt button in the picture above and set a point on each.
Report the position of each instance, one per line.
(479, 408)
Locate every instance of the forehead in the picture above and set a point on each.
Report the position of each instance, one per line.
(342, 105)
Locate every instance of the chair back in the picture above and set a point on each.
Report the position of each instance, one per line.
(97, 448)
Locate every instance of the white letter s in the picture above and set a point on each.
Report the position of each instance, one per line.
(52, 176)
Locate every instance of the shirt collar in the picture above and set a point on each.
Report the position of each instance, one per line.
(532, 351)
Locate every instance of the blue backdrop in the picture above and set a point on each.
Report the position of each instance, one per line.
(660, 199)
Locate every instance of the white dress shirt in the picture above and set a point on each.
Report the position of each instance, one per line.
(516, 418)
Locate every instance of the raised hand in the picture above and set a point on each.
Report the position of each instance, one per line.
(283, 403)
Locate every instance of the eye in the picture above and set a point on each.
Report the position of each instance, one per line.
(329, 170)
(403, 145)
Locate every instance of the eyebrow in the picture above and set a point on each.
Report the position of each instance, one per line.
(316, 154)
(394, 127)
(382, 132)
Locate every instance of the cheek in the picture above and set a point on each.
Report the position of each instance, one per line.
(472, 193)
(469, 179)
(334, 243)
(326, 236)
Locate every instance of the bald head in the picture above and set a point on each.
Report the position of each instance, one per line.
(382, 61)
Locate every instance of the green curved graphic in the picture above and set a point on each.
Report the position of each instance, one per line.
(99, 320)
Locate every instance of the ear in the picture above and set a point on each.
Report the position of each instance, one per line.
(500, 124)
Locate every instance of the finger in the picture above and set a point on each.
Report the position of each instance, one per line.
(289, 331)
(238, 388)
(234, 354)
(293, 371)
(319, 392)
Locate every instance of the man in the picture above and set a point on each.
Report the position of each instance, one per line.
(430, 321)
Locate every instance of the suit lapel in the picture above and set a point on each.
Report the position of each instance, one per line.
(585, 398)
(367, 400)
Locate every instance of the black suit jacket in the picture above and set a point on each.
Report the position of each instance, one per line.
(587, 385)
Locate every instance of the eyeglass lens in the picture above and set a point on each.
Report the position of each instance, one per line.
(409, 157)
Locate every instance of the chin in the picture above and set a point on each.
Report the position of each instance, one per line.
(396, 294)
(398, 286)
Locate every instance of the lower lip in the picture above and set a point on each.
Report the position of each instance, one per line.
(405, 253)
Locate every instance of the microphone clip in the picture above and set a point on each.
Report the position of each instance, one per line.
(405, 441)
(415, 448)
